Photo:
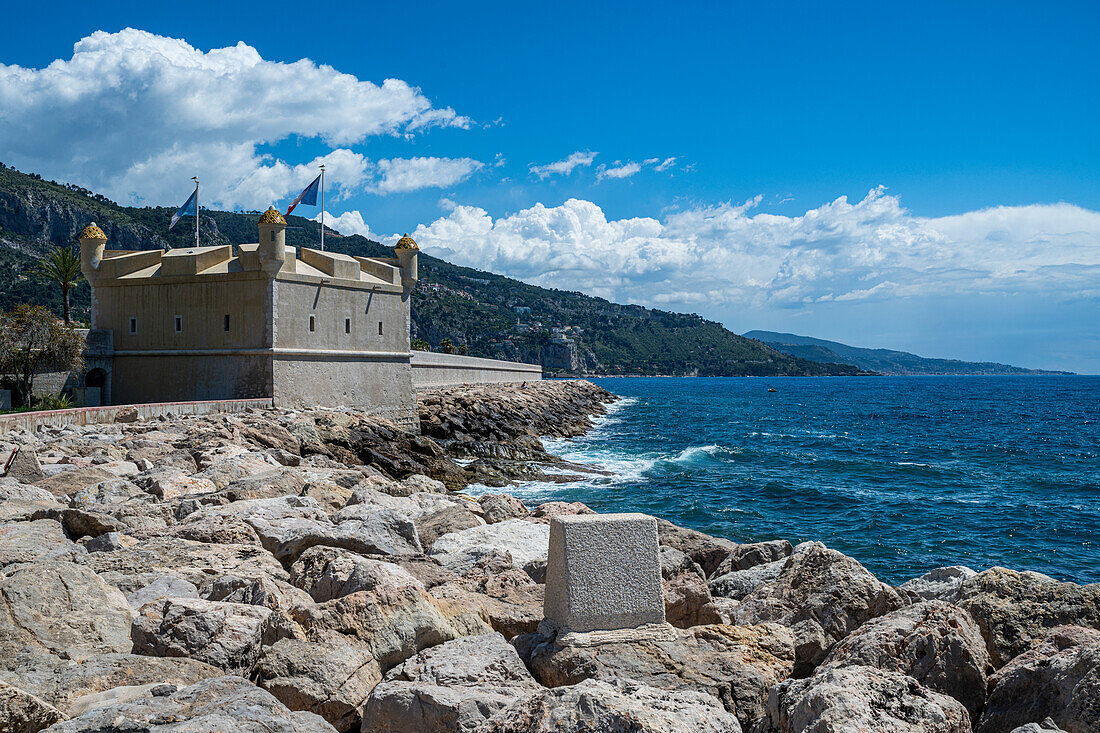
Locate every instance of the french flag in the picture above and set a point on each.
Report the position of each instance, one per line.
(307, 197)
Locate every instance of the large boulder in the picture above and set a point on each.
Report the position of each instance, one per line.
(612, 705)
(331, 679)
(863, 699)
(501, 507)
(63, 608)
(448, 688)
(327, 573)
(43, 539)
(737, 584)
(381, 532)
(22, 712)
(822, 596)
(1058, 678)
(933, 642)
(1014, 609)
(445, 520)
(688, 601)
(707, 551)
(734, 664)
(528, 544)
(755, 553)
(506, 597)
(211, 706)
(225, 635)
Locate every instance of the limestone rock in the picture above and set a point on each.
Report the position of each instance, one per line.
(327, 573)
(543, 513)
(823, 596)
(864, 699)
(527, 543)
(43, 539)
(25, 467)
(1047, 726)
(939, 584)
(739, 583)
(63, 608)
(63, 682)
(734, 664)
(753, 554)
(254, 590)
(211, 706)
(452, 687)
(225, 635)
(166, 586)
(172, 483)
(506, 597)
(688, 602)
(707, 551)
(612, 705)
(501, 507)
(69, 482)
(216, 530)
(332, 680)
(1013, 609)
(446, 520)
(1058, 678)
(933, 642)
(382, 532)
(22, 712)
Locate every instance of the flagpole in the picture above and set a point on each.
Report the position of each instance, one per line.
(322, 208)
(196, 180)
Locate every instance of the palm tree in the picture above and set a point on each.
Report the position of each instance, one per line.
(62, 266)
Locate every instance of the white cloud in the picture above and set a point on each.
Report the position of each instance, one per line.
(350, 222)
(564, 167)
(135, 115)
(618, 170)
(666, 164)
(410, 174)
(727, 255)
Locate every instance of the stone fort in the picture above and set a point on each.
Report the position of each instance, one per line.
(303, 327)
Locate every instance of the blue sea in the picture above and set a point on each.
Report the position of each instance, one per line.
(903, 473)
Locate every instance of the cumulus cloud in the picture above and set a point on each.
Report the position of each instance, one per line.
(732, 255)
(135, 115)
(410, 174)
(564, 167)
(350, 222)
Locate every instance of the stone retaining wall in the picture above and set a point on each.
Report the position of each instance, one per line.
(439, 370)
(92, 415)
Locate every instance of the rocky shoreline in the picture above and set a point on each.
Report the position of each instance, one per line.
(319, 570)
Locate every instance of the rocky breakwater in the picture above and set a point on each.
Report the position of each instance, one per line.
(317, 570)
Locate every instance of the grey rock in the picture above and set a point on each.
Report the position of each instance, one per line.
(380, 532)
(612, 706)
(106, 542)
(1014, 609)
(527, 543)
(707, 551)
(940, 583)
(326, 573)
(739, 583)
(674, 562)
(753, 554)
(225, 635)
(823, 596)
(253, 590)
(864, 699)
(22, 712)
(734, 664)
(454, 518)
(215, 705)
(507, 597)
(688, 601)
(166, 586)
(501, 507)
(63, 608)
(933, 642)
(1047, 726)
(1058, 679)
(451, 687)
(42, 539)
(25, 467)
(329, 679)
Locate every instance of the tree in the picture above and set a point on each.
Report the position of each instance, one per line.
(420, 345)
(32, 339)
(447, 346)
(62, 266)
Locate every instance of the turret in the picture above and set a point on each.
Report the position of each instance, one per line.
(272, 249)
(92, 243)
(406, 250)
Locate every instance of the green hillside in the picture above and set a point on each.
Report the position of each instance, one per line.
(491, 315)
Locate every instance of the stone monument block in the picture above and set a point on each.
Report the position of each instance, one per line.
(603, 573)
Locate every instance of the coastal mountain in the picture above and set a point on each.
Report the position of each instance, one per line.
(884, 361)
(487, 314)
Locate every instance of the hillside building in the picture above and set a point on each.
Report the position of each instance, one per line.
(306, 328)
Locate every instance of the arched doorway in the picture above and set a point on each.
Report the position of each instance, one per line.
(95, 378)
(95, 384)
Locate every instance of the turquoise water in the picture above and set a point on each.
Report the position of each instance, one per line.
(903, 473)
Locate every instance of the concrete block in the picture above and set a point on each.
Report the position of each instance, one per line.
(603, 573)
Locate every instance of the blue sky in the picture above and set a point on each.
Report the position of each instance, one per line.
(712, 143)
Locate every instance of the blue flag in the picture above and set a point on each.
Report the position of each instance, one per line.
(189, 208)
(307, 197)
